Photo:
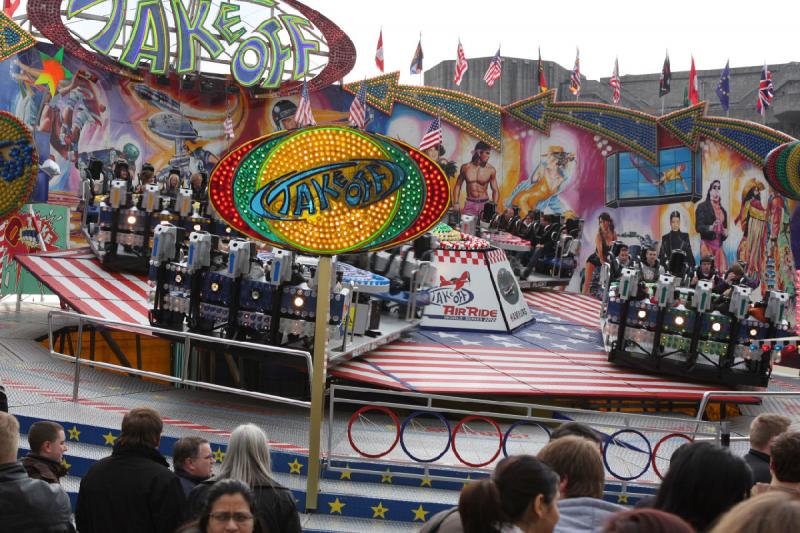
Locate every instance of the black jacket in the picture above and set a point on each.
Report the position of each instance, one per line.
(704, 219)
(275, 506)
(759, 465)
(39, 467)
(188, 481)
(32, 505)
(132, 491)
(675, 240)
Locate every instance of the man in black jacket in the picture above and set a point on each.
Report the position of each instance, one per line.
(193, 462)
(27, 504)
(48, 444)
(764, 429)
(133, 490)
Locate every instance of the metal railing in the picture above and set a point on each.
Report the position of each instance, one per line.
(183, 371)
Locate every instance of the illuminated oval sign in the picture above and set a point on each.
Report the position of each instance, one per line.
(327, 190)
(259, 42)
(18, 164)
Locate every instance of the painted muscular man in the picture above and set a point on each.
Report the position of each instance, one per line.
(479, 176)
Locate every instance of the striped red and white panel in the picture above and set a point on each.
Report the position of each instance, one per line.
(490, 370)
(79, 279)
(574, 308)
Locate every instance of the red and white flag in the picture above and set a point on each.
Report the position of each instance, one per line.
(228, 124)
(10, 6)
(461, 65)
(694, 94)
(766, 90)
(379, 52)
(303, 115)
(615, 82)
(358, 109)
(432, 136)
(494, 70)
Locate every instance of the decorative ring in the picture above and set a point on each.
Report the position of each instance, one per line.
(658, 446)
(403, 429)
(516, 425)
(364, 409)
(611, 439)
(470, 418)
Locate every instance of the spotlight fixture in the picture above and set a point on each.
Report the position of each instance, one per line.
(132, 219)
(716, 327)
(255, 295)
(679, 320)
(642, 314)
(298, 301)
(214, 286)
(753, 332)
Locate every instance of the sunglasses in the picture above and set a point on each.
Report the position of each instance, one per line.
(223, 517)
(717, 187)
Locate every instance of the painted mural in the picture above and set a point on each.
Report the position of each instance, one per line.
(706, 198)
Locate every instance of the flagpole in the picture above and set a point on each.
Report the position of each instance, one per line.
(421, 78)
(662, 105)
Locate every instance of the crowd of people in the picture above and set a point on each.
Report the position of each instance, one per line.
(706, 489)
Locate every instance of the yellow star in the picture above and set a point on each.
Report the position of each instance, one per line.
(379, 511)
(219, 455)
(468, 480)
(622, 499)
(425, 482)
(65, 464)
(346, 473)
(74, 434)
(295, 466)
(336, 506)
(386, 477)
(110, 438)
(419, 513)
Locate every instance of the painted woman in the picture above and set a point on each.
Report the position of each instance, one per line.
(604, 240)
(711, 222)
(753, 220)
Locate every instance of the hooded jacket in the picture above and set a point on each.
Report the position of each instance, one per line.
(583, 515)
(32, 505)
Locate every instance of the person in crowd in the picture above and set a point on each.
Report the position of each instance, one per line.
(733, 276)
(146, 177)
(48, 444)
(545, 248)
(622, 260)
(675, 240)
(27, 504)
(646, 521)
(3, 399)
(580, 467)
(231, 508)
(193, 461)
(133, 490)
(650, 268)
(784, 465)
(577, 429)
(703, 482)
(764, 429)
(705, 271)
(606, 236)
(197, 185)
(522, 493)
(766, 513)
(172, 183)
(248, 460)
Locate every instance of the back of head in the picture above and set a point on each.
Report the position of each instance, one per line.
(485, 505)
(9, 438)
(766, 513)
(785, 457)
(575, 459)
(646, 521)
(247, 458)
(702, 483)
(141, 427)
(766, 427)
(576, 429)
(41, 432)
(186, 448)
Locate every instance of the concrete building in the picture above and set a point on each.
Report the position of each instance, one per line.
(639, 91)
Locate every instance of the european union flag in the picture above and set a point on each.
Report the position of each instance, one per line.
(724, 86)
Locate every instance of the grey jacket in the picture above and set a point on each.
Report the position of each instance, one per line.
(582, 515)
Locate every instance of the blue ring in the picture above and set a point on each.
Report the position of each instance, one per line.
(403, 430)
(517, 424)
(611, 439)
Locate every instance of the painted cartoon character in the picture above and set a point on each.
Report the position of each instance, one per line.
(547, 180)
(479, 175)
(752, 218)
(711, 222)
(605, 238)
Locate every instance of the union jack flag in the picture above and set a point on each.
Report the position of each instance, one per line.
(615, 82)
(358, 109)
(493, 72)
(433, 136)
(575, 77)
(765, 91)
(461, 65)
(303, 115)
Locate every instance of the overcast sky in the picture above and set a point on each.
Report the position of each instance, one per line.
(639, 32)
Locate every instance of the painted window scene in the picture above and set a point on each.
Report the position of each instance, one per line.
(636, 181)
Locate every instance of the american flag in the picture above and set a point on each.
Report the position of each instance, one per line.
(493, 72)
(228, 124)
(303, 115)
(461, 65)
(556, 356)
(765, 91)
(358, 109)
(575, 77)
(615, 82)
(433, 136)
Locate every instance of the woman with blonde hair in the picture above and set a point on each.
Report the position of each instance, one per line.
(767, 513)
(248, 460)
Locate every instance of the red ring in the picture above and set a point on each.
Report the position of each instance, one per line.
(383, 409)
(658, 445)
(499, 439)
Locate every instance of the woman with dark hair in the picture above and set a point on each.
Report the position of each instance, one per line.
(766, 513)
(646, 521)
(703, 482)
(230, 508)
(606, 236)
(520, 496)
(711, 222)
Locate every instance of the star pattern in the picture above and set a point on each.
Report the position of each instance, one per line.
(419, 513)
(53, 71)
(74, 434)
(337, 505)
(65, 464)
(379, 511)
(346, 473)
(219, 455)
(386, 477)
(109, 438)
(295, 466)
(425, 482)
